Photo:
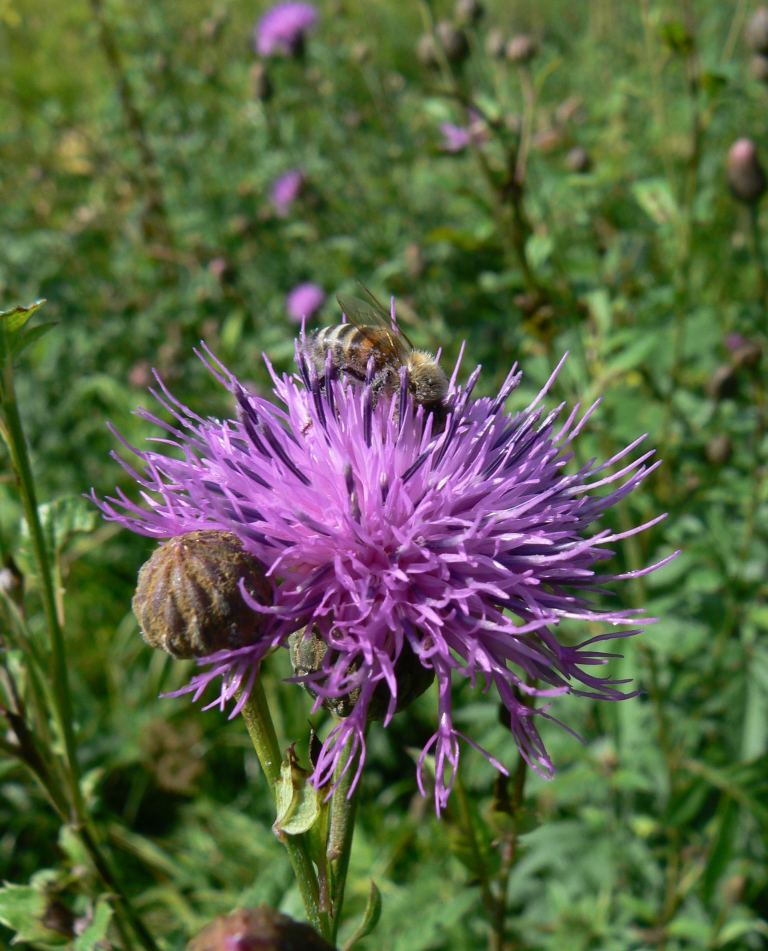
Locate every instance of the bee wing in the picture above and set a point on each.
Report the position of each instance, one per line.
(375, 321)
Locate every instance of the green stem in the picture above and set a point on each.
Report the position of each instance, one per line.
(61, 705)
(759, 252)
(341, 831)
(468, 826)
(261, 730)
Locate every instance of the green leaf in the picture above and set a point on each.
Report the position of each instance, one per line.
(60, 520)
(96, 933)
(22, 341)
(655, 197)
(298, 802)
(370, 918)
(23, 909)
(722, 848)
(16, 318)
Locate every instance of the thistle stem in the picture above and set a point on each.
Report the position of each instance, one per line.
(261, 729)
(342, 829)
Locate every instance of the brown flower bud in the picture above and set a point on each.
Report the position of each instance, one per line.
(454, 42)
(495, 43)
(758, 67)
(578, 160)
(308, 652)
(257, 929)
(748, 354)
(745, 173)
(723, 383)
(719, 450)
(756, 32)
(468, 12)
(261, 83)
(521, 48)
(188, 599)
(426, 51)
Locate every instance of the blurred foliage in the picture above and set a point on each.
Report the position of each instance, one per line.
(134, 196)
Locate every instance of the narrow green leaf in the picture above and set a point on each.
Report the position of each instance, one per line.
(17, 317)
(370, 918)
(22, 341)
(96, 932)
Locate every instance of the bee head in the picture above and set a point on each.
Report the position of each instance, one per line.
(427, 383)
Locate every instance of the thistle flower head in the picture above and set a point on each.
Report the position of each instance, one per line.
(304, 301)
(283, 29)
(466, 546)
(285, 191)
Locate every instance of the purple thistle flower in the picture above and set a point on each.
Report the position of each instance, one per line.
(457, 138)
(304, 301)
(468, 545)
(283, 29)
(285, 190)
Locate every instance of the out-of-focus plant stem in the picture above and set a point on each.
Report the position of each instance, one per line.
(61, 707)
(156, 222)
(467, 824)
(261, 729)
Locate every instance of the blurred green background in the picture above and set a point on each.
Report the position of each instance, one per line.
(136, 160)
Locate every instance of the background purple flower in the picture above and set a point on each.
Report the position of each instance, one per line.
(468, 546)
(304, 301)
(457, 138)
(283, 28)
(285, 189)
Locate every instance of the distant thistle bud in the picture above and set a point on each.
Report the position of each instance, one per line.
(454, 41)
(468, 12)
(747, 354)
(745, 173)
(723, 383)
(257, 929)
(308, 655)
(578, 160)
(426, 51)
(521, 48)
(756, 32)
(261, 83)
(188, 600)
(758, 67)
(719, 449)
(495, 44)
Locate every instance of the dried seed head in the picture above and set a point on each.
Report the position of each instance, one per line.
(257, 929)
(308, 653)
(756, 32)
(745, 173)
(454, 41)
(521, 48)
(188, 599)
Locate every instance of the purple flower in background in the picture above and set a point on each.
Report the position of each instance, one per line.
(465, 547)
(456, 138)
(283, 28)
(304, 301)
(285, 189)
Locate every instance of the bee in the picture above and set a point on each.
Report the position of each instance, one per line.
(372, 333)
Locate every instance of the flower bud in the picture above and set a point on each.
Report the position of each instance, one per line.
(454, 42)
(719, 449)
(578, 160)
(188, 600)
(426, 51)
(261, 83)
(495, 43)
(747, 354)
(257, 929)
(745, 173)
(521, 48)
(758, 67)
(756, 32)
(723, 383)
(308, 652)
(468, 12)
